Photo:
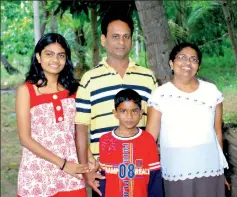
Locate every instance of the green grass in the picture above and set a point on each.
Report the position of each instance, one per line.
(10, 146)
(220, 70)
(230, 118)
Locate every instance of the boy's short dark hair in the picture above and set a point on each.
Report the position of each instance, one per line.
(110, 17)
(127, 95)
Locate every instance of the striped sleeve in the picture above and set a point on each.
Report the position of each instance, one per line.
(83, 103)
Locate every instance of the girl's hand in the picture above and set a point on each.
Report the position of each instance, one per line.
(74, 169)
(227, 184)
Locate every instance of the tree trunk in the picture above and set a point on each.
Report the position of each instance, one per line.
(137, 43)
(53, 26)
(180, 14)
(10, 69)
(36, 21)
(157, 37)
(80, 67)
(95, 43)
(45, 17)
(228, 19)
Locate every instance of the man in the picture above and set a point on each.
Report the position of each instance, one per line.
(94, 102)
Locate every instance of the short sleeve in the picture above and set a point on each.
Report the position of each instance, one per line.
(101, 157)
(83, 103)
(155, 84)
(219, 97)
(154, 160)
(154, 100)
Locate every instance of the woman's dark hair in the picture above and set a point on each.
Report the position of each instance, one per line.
(36, 75)
(127, 95)
(181, 46)
(110, 17)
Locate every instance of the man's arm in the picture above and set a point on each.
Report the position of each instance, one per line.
(82, 154)
(82, 143)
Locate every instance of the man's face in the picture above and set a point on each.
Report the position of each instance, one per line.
(118, 40)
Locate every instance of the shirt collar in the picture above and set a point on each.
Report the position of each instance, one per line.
(103, 61)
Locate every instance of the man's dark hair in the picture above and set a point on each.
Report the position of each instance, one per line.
(127, 95)
(110, 17)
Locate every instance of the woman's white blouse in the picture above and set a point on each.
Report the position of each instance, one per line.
(188, 144)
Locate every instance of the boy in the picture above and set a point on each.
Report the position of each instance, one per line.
(128, 156)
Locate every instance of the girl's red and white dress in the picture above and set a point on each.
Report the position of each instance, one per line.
(52, 125)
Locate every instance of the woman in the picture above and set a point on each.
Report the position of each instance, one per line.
(45, 109)
(187, 112)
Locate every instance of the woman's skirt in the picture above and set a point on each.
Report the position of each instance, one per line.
(197, 187)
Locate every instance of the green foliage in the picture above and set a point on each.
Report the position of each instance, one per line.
(203, 23)
(230, 118)
(19, 62)
(177, 32)
(220, 69)
(17, 27)
(200, 30)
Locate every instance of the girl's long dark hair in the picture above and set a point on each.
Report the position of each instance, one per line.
(36, 74)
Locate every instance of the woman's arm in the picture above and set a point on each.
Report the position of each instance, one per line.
(24, 132)
(218, 129)
(153, 122)
(218, 123)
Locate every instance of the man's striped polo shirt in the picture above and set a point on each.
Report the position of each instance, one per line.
(94, 99)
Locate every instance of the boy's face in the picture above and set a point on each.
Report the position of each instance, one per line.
(128, 114)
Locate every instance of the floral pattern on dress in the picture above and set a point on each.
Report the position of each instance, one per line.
(38, 177)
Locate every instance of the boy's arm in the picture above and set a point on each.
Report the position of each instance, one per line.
(155, 184)
(102, 184)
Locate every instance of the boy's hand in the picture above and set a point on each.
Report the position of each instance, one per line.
(91, 181)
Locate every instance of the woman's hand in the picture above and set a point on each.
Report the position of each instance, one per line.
(74, 169)
(227, 184)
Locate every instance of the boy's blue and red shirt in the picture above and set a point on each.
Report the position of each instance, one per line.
(131, 166)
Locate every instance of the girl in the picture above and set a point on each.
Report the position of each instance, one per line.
(45, 108)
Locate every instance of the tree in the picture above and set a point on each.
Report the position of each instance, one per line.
(9, 68)
(17, 34)
(228, 19)
(95, 44)
(157, 37)
(82, 9)
(36, 21)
